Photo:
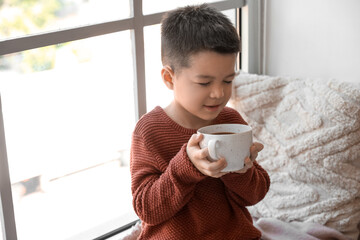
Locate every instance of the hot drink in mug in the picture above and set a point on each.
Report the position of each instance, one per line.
(231, 141)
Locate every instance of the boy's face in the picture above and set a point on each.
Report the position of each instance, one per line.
(202, 90)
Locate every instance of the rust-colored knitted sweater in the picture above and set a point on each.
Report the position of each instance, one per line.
(174, 200)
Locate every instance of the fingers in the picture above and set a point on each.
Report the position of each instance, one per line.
(203, 153)
(255, 149)
(195, 140)
(248, 163)
(193, 149)
(199, 158)
(215, 166)
(213, 169)
(253, 156)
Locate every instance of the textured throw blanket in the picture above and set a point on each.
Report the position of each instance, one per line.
(272, 229)
(311, 132)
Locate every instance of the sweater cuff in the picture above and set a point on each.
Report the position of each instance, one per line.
(184, 168)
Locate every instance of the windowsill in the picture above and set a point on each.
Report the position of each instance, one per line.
(108, 227)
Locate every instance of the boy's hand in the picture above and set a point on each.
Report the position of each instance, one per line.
(199, 156)
(254, 150)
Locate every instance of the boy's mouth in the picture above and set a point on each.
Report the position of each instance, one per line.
(212, 107)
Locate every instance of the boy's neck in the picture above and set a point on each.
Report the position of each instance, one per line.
(184, 118)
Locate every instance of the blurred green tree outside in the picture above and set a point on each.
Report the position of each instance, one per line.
(23, 17)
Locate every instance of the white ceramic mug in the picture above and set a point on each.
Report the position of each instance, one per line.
(231, 141)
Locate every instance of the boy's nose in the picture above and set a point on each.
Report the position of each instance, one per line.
(217, 92)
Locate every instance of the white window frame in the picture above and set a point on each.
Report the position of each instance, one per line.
(136, 25)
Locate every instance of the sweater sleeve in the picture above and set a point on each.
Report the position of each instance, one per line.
(248, 188)
(251, 187)
(159, 195)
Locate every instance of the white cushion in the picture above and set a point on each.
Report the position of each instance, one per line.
(311, 132)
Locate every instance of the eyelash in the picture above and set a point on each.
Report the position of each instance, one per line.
(207, 83)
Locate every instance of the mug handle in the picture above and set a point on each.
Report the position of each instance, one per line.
(212, 145)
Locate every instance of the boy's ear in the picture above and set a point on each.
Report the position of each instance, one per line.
(167, 75)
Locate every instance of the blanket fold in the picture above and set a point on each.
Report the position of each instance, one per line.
(274, 229)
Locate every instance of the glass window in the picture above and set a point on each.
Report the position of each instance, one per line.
(1, 225)
(18, 17)
(68, 114)
(156, 91)
(157, 94)
(164, 5)
(231, 14)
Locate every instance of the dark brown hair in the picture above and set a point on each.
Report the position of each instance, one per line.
(191, 29)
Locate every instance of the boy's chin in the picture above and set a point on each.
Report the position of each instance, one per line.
(210, 115)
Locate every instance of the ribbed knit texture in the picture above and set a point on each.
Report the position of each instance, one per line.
(174, 200)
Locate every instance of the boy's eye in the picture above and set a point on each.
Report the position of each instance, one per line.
(204, 84)
(228, 82)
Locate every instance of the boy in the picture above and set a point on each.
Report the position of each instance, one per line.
(177, 192)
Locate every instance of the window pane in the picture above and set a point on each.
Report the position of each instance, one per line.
(156, 91)
(1, 226)
(18, 17)
(157, 94)
(164, 5)
(231, 14)
(68, 114)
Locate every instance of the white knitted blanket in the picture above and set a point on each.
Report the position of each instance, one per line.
(311, 132)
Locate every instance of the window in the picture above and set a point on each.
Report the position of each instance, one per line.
(72, 88)
(19, 17)
(1, 224)
(164, 5)
(68, 128)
